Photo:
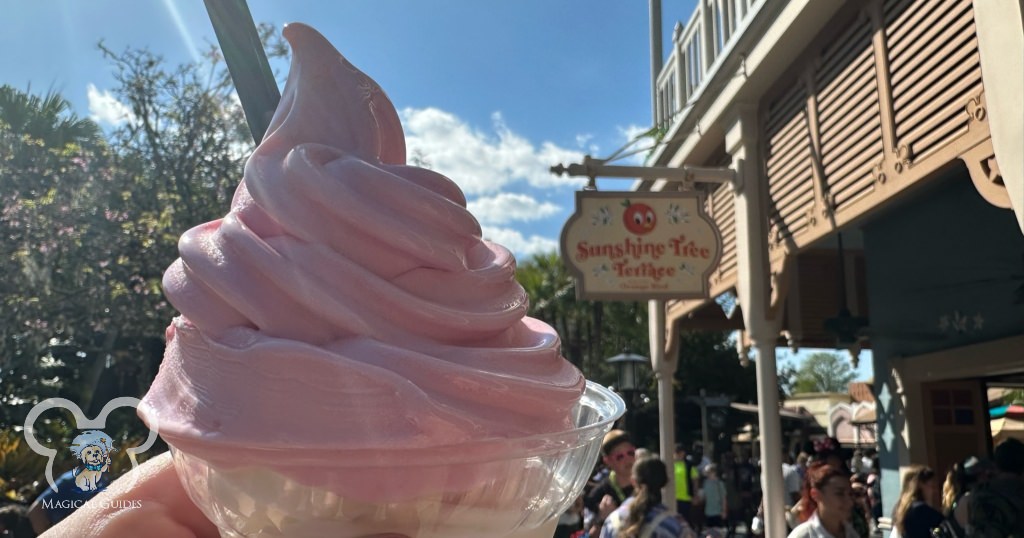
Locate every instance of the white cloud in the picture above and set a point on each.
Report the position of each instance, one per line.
(481, 162)
(632, 131)
(508, 207)
(522, 247)
(105, 109)
(585, 143)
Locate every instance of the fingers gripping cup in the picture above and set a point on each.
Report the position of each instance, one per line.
(352, 358)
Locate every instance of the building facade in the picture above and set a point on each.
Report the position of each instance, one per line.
(878, 201)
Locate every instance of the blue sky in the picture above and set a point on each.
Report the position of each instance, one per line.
(491, 93)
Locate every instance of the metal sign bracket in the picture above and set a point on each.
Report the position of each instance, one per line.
(688, 175)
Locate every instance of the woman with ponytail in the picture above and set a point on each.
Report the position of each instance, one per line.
(827, 504)
(643, 515)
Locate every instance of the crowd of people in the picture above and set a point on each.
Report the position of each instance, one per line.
(828, 496)
(624, 498)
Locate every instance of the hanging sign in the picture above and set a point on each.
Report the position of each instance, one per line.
(640, 245)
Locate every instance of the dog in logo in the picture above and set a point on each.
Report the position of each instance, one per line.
(93, 448)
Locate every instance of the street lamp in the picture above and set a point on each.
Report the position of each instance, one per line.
(627, 369)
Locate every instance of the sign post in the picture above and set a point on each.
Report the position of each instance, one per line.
(653, 246)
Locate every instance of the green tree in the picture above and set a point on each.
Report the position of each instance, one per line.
(823, 372)
(47, 119)
(89, 224)
(53, 233)
(591, 331)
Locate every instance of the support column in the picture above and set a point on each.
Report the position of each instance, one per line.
(664, 371)
(775, 500)
(754, 291)
(656, 57)
(707, 46)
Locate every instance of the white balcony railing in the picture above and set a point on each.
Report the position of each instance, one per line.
(696, 48)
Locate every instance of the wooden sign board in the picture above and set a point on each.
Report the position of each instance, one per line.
(630, 246)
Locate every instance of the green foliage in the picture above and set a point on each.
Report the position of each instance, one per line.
(89, 224)
(54, 238)
(46, 119)
(590, 331)
(823, 372)
(18, 465)
(787, 380)
(707, 360)
(593, 331)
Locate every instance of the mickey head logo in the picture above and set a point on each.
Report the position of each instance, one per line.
(81, 422)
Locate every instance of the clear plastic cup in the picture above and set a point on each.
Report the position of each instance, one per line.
(514, 488)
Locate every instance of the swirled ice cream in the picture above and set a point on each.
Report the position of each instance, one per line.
(347, 307)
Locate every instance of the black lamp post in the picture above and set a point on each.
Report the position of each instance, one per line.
(628, 369)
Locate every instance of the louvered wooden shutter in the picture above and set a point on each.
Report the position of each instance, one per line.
(848, 116)
(935, 69)
(789, 164)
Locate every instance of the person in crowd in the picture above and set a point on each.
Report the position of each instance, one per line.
(956, 491)
(996, 508)
(686, 481)
(856, 462)
(727, 474)
(861, 497)
(826, 502)
(829, 451)
(618, 454)
(791, 479)
(715, 497)
(746, 475)
(643, 515)
(571, 521)
(917, 513)
(870, 455)
(802, 459)
(874, 483)
(700, 458)
(953, 488)
(792, 482)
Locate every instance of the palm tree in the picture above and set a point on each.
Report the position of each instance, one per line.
(590, 331)
(47, 118)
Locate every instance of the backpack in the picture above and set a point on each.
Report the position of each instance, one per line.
(949, 529)
(996, 513)
(648, 530)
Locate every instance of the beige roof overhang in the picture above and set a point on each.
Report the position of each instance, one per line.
(1000, 26)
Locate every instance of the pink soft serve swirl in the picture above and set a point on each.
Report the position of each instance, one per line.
(347, 301)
